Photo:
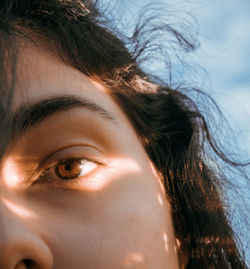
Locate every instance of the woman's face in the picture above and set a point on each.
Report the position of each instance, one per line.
(77, 189)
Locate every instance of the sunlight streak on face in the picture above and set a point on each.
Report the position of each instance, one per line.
(160, 200)
(117, 167)
(19, 210)
(16, 170)
(99, 86)
(134, 259)
(165, 238)
(10, 174)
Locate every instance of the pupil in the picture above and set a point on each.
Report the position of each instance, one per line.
(67, 167)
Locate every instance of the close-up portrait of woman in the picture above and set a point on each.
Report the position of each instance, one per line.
(105, 165)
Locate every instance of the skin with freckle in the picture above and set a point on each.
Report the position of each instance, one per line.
(115, 216)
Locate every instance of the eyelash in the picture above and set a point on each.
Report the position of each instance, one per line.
(49, 176)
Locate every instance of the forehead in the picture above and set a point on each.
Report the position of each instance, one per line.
(42, 74)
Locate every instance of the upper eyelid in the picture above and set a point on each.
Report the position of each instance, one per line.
(72, 146)
(70, 154)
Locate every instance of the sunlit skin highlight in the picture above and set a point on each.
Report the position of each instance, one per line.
(134, 260)
(19, 210)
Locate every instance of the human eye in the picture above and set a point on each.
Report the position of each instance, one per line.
(66, 170)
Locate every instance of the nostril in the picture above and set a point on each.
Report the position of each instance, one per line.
(28, 263)
(25, 264)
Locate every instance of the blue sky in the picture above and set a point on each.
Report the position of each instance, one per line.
(225, 54)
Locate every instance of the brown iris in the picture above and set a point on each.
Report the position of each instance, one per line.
(68, 169)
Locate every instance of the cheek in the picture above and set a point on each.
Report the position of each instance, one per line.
(138, 228)
(71, 225)
(127, 223)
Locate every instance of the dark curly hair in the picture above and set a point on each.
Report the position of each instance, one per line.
(172, 129)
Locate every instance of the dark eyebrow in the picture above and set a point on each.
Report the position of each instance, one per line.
(30, 115)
